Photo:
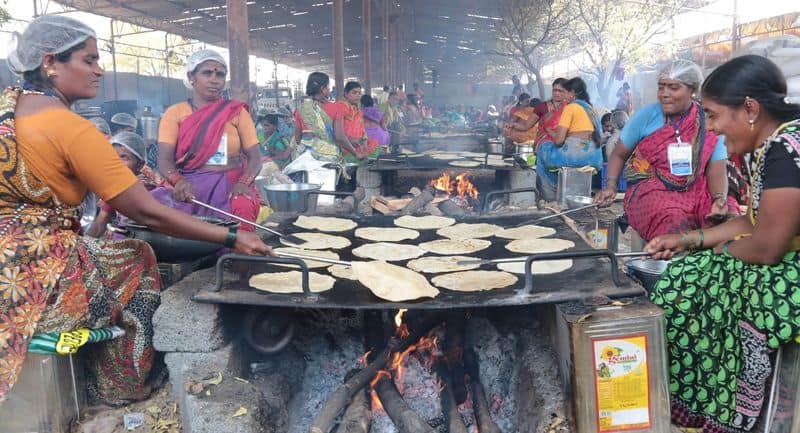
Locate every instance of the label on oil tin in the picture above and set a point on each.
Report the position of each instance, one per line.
(622, 383)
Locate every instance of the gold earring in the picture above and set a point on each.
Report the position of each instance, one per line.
(50, 73)
(752, 124)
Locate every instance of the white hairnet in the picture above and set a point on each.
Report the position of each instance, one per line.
(197, 58)
(131, 141)
(685, 71)
(48, 34)
(124, 119)
(101, 125)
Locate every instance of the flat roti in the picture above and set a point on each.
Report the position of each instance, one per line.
(291, 282)
(386, 234)
(325, 224)
(387, 251)
(542, 267)
(526, 232)
(541, 245)
(440, 264)
(469, 231)
(319, 241)
(342, 272)
(449, 247)
(474, 281)
(428, 222)
(464, 163)
(444, 156)
(393, 283)
(310, 263)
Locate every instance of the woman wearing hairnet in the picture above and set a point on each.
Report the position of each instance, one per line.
(208, 146)
(123, 122)
(52, 278)
(677, 176)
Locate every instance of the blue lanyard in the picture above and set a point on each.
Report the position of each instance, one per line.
(676, 124)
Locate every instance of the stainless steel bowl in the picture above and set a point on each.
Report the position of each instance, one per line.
(576, 201)
(647, 271)
(289, 197)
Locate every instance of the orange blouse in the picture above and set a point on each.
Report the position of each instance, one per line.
(70, 155)
(240, 129)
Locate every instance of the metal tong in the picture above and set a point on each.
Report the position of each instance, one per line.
(291, 238)
(524, 258)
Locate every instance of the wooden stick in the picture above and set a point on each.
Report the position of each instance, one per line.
(454, 354)
(449, 406)
(480, 406)
(358, 416)
(404, 418)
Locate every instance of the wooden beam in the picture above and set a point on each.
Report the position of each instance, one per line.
(238, 48)
(338, 46)
(366, 29)
(387, 79)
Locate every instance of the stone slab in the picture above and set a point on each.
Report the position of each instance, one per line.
(215, 413)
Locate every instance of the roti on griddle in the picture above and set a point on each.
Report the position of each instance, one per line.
(539, 267)
(449, 247)
(291, 282)
(464, 163)
(387, 251)
(539, 245)
(474, 281)
(440, 264)
(526, 232)
(325, 224)
(319, 241)
(342, 272)
(469, 231)
(428, 222)
(393, 283)
(386, 234)
(310, 263)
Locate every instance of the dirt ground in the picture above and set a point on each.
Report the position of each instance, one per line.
(160, 413)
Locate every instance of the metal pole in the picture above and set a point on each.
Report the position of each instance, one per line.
(238, 49)
(166, 71)
(338, 46)
(366, 27)
(386, 78)
(735, 28)
(114, 62)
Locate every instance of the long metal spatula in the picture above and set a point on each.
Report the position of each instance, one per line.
(313, 258)
(291, 238)
(544, 218)
(524, 258)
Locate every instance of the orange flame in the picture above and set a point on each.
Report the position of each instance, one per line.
(362, 360)
(377, 406)
(461, 185)
(398, 318)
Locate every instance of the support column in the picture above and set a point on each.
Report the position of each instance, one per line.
(338, 46)
(366, 34)
(238, 48)
(114, 61)
(386, 78)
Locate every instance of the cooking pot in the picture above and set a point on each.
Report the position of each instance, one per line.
(647, 271)
(172, 249)
(525, 154)
(289, 197)
(576, 201)
(496, 146)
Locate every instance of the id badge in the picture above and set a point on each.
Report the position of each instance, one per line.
(220, 157)
(680, 159)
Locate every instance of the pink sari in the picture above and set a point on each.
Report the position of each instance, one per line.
(658, 202)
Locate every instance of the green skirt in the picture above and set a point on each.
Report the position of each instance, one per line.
(724, 318)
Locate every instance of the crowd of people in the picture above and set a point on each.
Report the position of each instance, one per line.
(728, 303)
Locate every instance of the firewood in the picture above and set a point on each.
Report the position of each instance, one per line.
(449, 208)
(455, 424)
(419, 202)
(401, 414)
(358, 416)
(454, 354)
(480, 405)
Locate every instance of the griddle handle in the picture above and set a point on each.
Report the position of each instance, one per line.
(333, 193)
(486, 158)
(220, 268)
(570, 255)
(393, 157)
(487, 198)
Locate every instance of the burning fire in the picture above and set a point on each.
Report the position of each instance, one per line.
(461, 185)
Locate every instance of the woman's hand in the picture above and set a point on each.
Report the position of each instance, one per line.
(241, 189)
(251, 244)
(719, 211)
(606, 197)
(183, 191)
(665, 247)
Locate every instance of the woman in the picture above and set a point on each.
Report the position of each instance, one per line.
(320, 123)
(273, 144)
(575, 141)
(53, 279)
(612, 129)
(208, 147)
(669, 191)
(354, 124)
(373, 119)
(549, 112)
(735, 300)
(523, 128)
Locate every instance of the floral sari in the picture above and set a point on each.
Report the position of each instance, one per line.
(321, 142)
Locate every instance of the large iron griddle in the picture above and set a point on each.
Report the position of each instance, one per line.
(594, 273)
(399, 162)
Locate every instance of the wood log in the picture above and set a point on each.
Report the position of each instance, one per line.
(339, 399)
(480, 405)
(449, 208)
(455, 424)
(419, 202)
(403, 417)
(358, 416)
(454, 354)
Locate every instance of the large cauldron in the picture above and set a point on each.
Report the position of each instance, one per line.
(172, 249)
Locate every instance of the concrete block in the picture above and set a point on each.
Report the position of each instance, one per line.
(368, 178)
(214, 413)
(522, 179)
(182, 325)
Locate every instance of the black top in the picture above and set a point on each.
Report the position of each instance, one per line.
(780, 169)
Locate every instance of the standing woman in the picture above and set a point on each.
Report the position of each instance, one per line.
(52, 279)
(208, 146)
(736, 299)
(576, 142)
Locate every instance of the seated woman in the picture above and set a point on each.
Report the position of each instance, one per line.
(549, 112)
(676, 175)
(612, 129)
(273, 144)
(320, 123)
(55, 279)
(373, 121)
(575, 143)
(736, 298)
(354, 124)
(522, 128)
(208, 147)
